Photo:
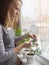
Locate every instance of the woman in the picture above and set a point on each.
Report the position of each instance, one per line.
(8, 51)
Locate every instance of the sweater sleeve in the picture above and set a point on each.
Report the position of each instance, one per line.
(17, 40)
(3, 54)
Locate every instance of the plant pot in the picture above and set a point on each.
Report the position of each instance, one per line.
(30, 58)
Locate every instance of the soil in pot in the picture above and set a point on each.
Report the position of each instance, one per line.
(30, 54)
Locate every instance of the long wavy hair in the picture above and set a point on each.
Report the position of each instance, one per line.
(4, 7)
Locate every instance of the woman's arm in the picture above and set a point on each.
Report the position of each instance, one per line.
(20, 38)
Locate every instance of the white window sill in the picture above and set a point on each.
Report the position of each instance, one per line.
(43, 58)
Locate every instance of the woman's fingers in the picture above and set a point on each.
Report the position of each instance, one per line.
(27, 44)
(33, 36)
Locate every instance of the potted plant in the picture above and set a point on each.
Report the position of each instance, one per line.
(30, 57)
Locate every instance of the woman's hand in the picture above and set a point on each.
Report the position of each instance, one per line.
(24, 45)
(27, 44)
(33, 36)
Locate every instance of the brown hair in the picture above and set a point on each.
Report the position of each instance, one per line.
(20, 0)
(4, 6)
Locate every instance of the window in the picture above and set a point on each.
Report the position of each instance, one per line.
(36, 12)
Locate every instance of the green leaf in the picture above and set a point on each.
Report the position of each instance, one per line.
(18, 32)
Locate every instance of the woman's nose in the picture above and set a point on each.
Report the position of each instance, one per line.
(17, 12)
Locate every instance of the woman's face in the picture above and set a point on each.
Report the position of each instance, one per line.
(14, 9)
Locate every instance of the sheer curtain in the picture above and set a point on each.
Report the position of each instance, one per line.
(35, 8)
